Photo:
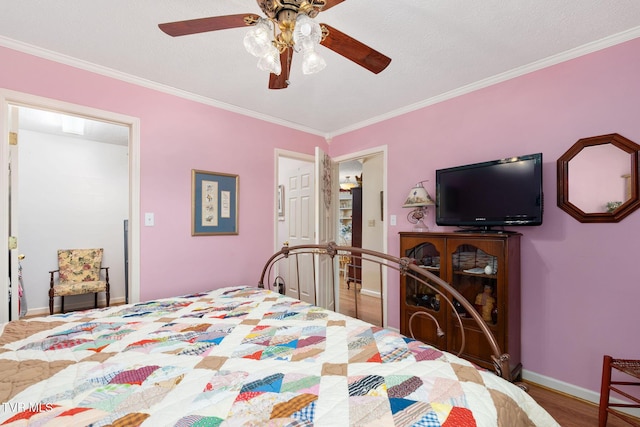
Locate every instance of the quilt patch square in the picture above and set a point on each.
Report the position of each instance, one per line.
(183, 339)
(282, 343)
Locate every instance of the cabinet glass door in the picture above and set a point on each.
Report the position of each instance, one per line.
(475, 276)
(418, 294)
(423, 310)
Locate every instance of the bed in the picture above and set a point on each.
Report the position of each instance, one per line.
(242, 356)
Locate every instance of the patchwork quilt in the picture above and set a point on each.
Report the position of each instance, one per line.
(240, 357)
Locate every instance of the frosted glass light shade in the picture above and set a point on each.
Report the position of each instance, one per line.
(259, 38)
(306, 33)
(312, 62)
(306, 36)
(270, 61)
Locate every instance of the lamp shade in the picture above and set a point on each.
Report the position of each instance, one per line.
(418, 197)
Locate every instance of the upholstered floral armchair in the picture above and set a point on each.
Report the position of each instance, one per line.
(78, 273)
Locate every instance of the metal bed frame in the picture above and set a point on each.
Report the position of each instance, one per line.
(406, 266)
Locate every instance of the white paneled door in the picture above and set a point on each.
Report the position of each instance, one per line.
(299, 208)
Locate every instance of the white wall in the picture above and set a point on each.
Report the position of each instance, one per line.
(372, 225)
(73, 193)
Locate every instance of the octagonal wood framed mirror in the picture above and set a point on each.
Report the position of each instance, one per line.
(598, 179)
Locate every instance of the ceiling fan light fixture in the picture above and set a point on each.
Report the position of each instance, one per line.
(259, 38)
(290, 27)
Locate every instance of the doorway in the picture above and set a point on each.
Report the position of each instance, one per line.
(361, 223)
(12, 224)
(376, 161)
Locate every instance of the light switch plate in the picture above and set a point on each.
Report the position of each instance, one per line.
(393, 220)
(149, 219)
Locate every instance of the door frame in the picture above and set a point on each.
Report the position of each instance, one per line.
(9, 97)
(281, 153)
(379, 150)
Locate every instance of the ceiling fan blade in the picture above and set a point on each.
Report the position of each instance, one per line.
(202, 25)
(354, 50)
(282, 81)
(330, 3)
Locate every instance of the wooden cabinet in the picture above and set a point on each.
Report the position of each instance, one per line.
(354, 270)
(485, 269)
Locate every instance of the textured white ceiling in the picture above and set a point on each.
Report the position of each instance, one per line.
(438, 49)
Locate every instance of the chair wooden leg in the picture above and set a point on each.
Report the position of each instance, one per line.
(108, 287)
(604, 392)
(62, 305)
(95, 300)
(50, 305)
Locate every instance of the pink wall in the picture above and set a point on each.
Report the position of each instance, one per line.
(178, 135)
(580, 285)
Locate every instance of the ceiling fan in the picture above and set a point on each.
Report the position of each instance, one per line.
(288, 26)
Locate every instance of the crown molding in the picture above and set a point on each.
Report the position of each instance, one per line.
(119, 75)
(481, 84)
(499, 78)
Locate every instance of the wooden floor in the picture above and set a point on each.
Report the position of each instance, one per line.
(368, 308)
(567, 410)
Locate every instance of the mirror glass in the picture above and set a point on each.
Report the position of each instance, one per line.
(598, 179)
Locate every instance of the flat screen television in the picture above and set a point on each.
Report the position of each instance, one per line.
(497, 193)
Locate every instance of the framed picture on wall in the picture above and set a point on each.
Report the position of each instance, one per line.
(214, 203)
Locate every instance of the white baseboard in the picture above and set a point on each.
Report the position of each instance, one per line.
(44, 311)
(573, 390)
(369, 293)
(561, 386)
